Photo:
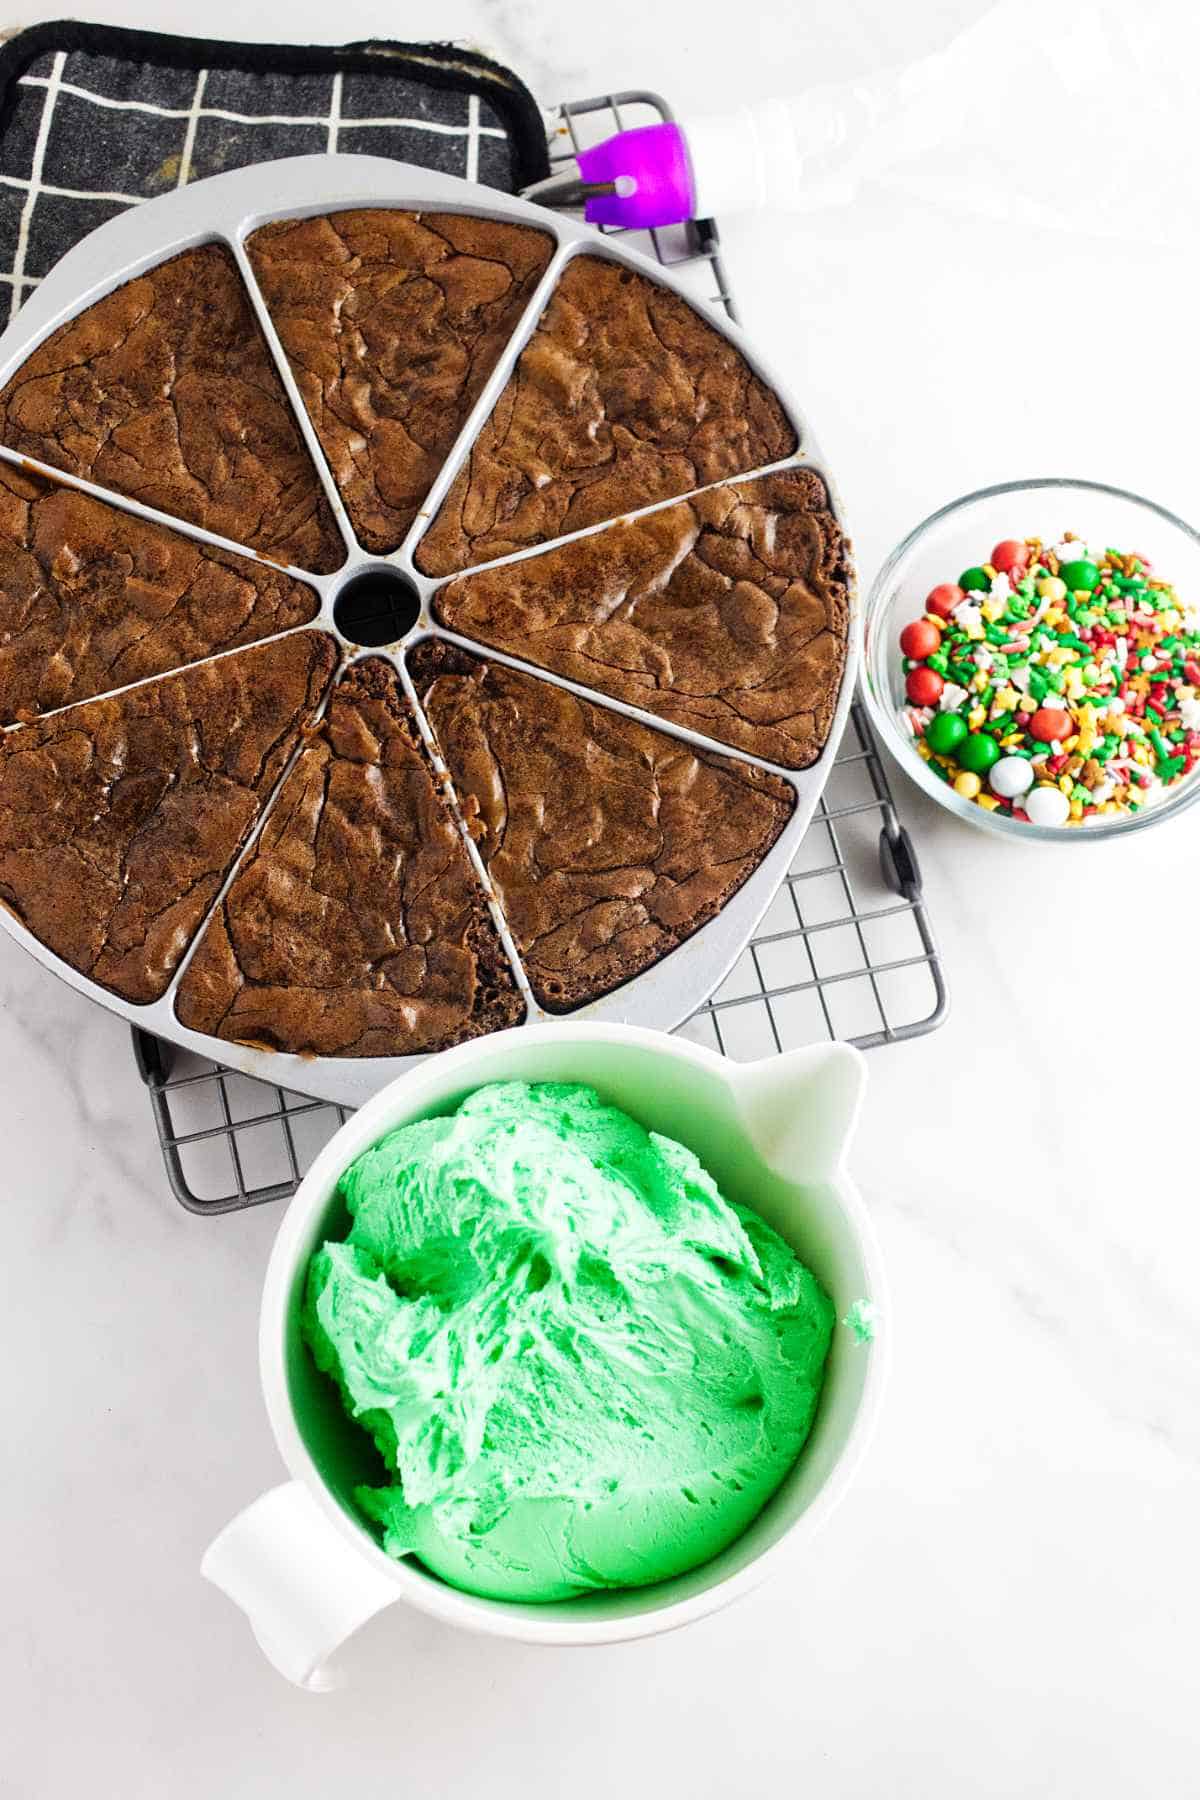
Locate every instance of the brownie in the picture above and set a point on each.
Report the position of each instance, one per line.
(120, 817)
(356, 926)
(165, 390)
(727, 613)
(623, 396)
(392, 322)
(92, 598)
(608, 842)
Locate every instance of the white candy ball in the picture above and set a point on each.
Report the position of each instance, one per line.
(1047, 806)
(1011, 776)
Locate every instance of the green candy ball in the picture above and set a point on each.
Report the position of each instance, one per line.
(1079, 576)
(977, 753)
(975, 581)
(945, 732)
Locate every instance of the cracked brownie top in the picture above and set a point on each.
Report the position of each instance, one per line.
(356, 926)
(120, 817)
(608, 842)
(623, 396)
(92, 598)
(392, 322)
(165, 391)
(726, 613)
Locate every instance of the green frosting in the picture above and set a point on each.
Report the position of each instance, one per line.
(862, 1321)
(582, 1366)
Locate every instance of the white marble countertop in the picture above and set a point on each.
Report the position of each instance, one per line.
(1006, 1603)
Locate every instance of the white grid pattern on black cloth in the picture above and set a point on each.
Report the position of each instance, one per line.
(91, 135)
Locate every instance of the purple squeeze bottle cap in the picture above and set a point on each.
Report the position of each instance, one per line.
(659, 175)
(647, 175)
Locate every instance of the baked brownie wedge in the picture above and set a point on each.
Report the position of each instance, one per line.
(623, 396)
(392, 322)
(165, 390)
(727, 613)
(608, 842)
(356, 926)
(92, 598)
(120, 818)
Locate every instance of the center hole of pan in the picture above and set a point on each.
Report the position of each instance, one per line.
(376, 606)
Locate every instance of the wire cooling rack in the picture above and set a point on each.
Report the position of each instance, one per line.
(845, 949)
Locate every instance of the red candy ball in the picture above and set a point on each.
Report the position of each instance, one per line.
(1048, 724)
(920, 639)
(923, 686)
(944, 599)
(1009, 555)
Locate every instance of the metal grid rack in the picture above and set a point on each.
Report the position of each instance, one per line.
(844, 950)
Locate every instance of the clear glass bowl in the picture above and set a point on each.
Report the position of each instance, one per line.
(961, 535)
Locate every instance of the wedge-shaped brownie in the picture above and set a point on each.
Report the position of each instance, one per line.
(92, 598)
(392, 322)
(623, 396)
(356, 926)
(120, 818)
(165, 390)
(727, 613)
(608, 842)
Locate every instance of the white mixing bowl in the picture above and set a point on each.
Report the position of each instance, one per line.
(301, 1562)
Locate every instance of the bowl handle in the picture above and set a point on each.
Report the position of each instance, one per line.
(799, 1109)
(302, 1585)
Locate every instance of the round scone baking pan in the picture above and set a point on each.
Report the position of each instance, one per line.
(309, 665)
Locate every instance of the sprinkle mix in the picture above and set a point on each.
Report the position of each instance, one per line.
(1056, 684)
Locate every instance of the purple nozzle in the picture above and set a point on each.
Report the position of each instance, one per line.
(653, 175)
